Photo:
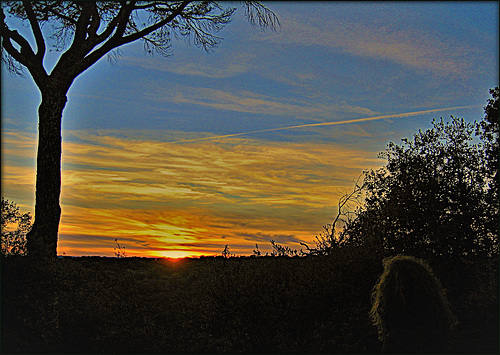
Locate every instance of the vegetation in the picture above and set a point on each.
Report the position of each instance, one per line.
(430, 200)
(313, 304)
(15, 225)
(436, 198)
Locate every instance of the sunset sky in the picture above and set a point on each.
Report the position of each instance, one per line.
(257, 140)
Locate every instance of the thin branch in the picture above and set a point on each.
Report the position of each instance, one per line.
(116, 40)
(345, 200)
(144, 32)
(256, 13)
(153, 5)
(60, 15)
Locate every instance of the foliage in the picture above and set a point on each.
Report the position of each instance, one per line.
(489, 133)
(432, 198)
(15, 225)
(90, 30)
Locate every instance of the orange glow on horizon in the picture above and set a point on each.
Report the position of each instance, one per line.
(189, 200)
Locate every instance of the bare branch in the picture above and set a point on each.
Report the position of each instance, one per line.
(60, 15)
(344, 200)
(146, 31)
(256, 13)
(12, 65)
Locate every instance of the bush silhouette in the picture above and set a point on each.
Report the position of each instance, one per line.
(409, 307)
(15, 225)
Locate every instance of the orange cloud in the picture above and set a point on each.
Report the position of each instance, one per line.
(165, 199)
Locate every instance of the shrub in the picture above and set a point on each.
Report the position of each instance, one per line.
(15, 225)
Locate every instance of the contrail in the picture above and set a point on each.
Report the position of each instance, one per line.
(356, 120)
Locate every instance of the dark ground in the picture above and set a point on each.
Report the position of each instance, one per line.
(212, 305)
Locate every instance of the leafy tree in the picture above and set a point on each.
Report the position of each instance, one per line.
(489, 132)
(86, 31)
(434, 196)
(15, 225)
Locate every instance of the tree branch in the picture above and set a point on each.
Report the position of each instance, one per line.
(346, 199)
(116, 40)
(82, 24)
(96, 21)
(123, 15)
(153, 5)
(152, 28)
(25, 55)
(60, 15)
(122, 24)
(40, 42)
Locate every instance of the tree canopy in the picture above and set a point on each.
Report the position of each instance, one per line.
(88, 30)
(437, 196)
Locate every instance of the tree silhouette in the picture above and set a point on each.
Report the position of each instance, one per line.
(489, 132)
(15, 225)
(438, 194)
(86, 31)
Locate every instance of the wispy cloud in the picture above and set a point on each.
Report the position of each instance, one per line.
(245, 101)
(177, 197)
(384, 39)
(210, 67)
(174, 197)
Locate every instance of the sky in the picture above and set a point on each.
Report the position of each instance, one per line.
(256, 140)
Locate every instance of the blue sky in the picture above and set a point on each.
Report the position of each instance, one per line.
(127, 176)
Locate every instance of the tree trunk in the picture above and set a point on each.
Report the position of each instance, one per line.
(42, 239)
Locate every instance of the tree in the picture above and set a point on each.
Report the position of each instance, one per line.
(489, 132)
(84, 32)
(15, 225)
(433, 198)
